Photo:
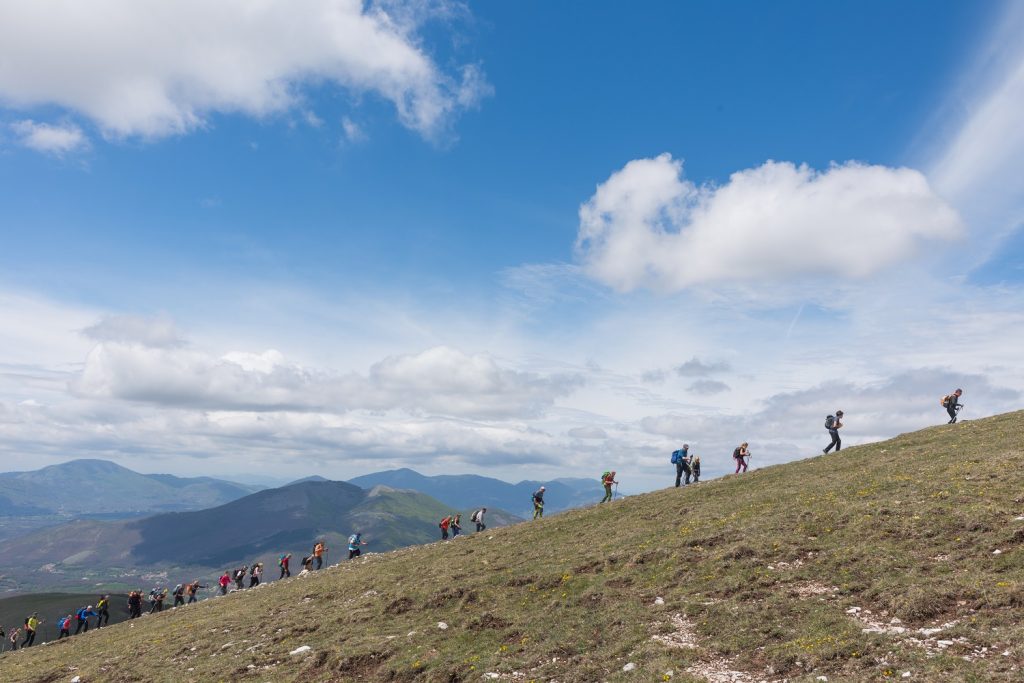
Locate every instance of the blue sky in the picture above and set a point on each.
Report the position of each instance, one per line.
(488, 237)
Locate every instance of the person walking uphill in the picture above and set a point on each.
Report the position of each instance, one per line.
(538, 503)
(193, 588)
(135, 604)
(82, 619)
(695, 468)
(478, 519)
(607, 479)
(283, 564)
(740, 455)
(224, 581)
(103, 609)
(318, 553)
(64, 624)
(31, 624)
(445, 523)
(681, 460)
(833, 423)
(951, 402)
(355, 543)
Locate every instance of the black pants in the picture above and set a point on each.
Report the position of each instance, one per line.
(179, 600)
(134, 612)
(836, 441)
(224, 589)
(240, 583)
(285, 572)
(30, 637)
(82, 625)
(444, 534)
(951, 411)
(254, 581)
(682, 468)
(104, 617)
(480, 526)
(64, 632)
(696, 474)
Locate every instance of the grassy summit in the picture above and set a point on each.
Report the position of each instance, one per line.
(868, 565)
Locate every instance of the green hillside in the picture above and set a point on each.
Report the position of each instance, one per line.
(49, 606)
(900, 560)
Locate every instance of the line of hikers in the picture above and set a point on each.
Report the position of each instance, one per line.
(453, 523)
(80, 619)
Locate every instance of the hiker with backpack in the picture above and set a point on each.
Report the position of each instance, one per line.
(682, 463)
(607, 479)
(695, 467)
(31, 624)
(239, 576)
(833, 423)
(82, 619)
(456, 525)
(478, 519)
(103, 611)
(318, 553)
(951, 402)
(193, 588)
(538, 503)
(307, 564)
(224, 581)
(355, 541)
(179, 595)
(740, 455)
(64, 624)
(135, 604)
(255, 574)
(12, 638)
(445, 523)
(156, 599)
(283, 564)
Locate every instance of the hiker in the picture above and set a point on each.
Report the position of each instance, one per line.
(224, 581)
(13, 638)
(156, 597)
(445, 523)
(82, 619)
(179, 595)
(951, 402)
(318, 552)
(193, 588)
(354, 543)
(478, 518)
(307, 563)
(240, 577)
(456, 525)
(833, 423)
(740, 455)
(283, 564)
(679, 459)
(64, 624)
(135, 604)
(538, 503)
(31, 624)
(103, 610)
(255, 574)
(607, 479)
(695, 468)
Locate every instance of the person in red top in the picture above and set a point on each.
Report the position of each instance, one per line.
(225, 581)
(608, 479)
(445, 523)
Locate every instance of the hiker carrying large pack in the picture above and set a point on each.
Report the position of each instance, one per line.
(607, 480)
(355, 543)
(833, 423)
(538, 503)
(283, 563)
(740, 455)
(951, 402)
(445, 523)
(681, 459)
(64, 624)
(478, 519)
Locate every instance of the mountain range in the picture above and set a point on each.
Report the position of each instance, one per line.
(465, 491)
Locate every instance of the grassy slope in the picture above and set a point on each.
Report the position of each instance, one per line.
(52, 605)
(763, 566)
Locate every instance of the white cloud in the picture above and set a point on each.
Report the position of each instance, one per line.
(646, 226)
(58, 139)
(353, 131)
(149, 68)
(695, 367)
(709, 386)
(159, 332)
(587, 433)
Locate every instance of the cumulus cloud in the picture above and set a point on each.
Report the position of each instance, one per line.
(353, 131)
(148, 68)
(59, 139)
(440, 381)
(697, 368)
(647, 226)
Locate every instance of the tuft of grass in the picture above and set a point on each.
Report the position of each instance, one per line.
(859, 566)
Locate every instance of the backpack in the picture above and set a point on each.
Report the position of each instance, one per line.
(475, 517)
(830, 422)
(677, 456)
(445, 523)
(944, 401)
(604, 476)
(353, 539)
